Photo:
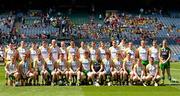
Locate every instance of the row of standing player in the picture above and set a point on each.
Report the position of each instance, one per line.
(93, 62)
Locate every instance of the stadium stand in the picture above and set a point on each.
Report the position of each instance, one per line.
(87, 27)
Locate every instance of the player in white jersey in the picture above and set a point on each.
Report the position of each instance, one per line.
(118, 67)
(143, 53)
(12, 72)
(113, 50)
(154, 52)
(72, 50)
(38, 65)
(22, 50)
(9, 53)
(26, 69)
(130, 49)
(64, 50)
(93, 50)
(75, 70)
(108, 69)
(152, 72)
(44, 50)
(50, 63)
(102, 50)
(122, 48)
(138, 75)
(86, 66)
(128, 65)
(81, 50)
(62, 69)
(54, 49)
(33, 51)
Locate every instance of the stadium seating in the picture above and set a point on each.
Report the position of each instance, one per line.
(85, 18)
(3, 26)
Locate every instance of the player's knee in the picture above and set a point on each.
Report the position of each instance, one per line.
(31, 75)
(125, 73)
(67, 73)
(135, 78)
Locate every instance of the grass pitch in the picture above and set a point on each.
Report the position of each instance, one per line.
(171, 89)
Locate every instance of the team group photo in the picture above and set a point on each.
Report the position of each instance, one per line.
(89, 47)
(120, 64)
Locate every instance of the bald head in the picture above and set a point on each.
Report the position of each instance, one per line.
(22, 44)
(53, 42)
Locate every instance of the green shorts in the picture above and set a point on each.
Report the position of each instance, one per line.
(11, 77)
(85, 72)
(49, 71)
(165, 65)
(39, 72)
(128, 71)
(156, 62)
(145, 62)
